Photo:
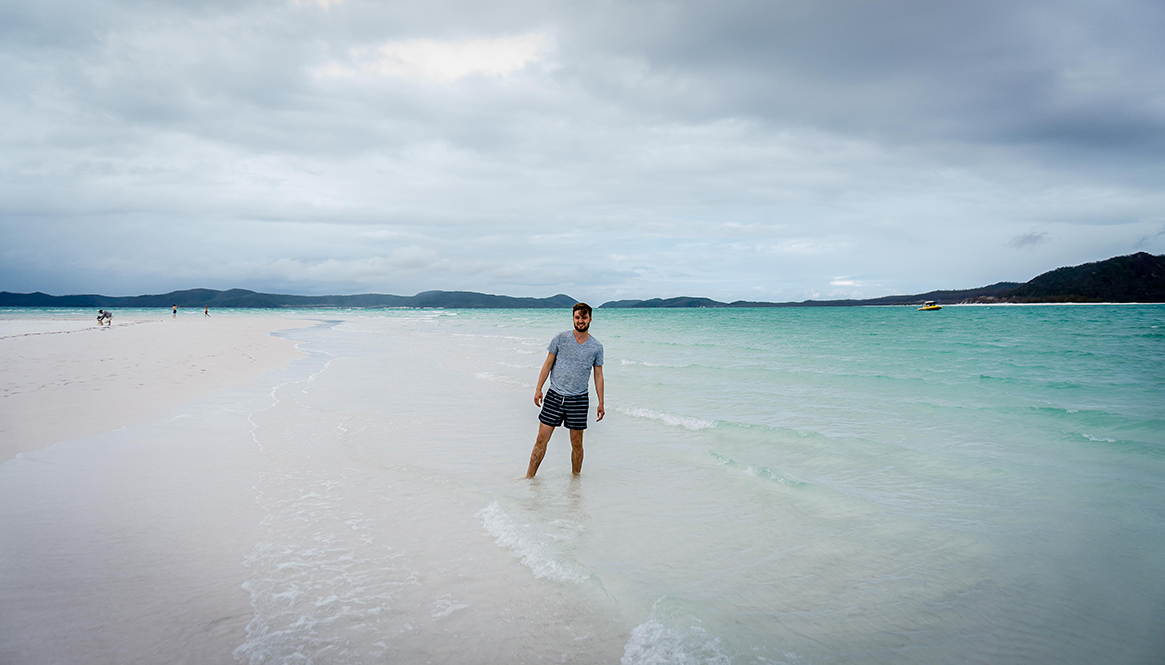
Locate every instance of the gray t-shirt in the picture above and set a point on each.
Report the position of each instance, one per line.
(573, 362)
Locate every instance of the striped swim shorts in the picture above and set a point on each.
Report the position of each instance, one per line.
(571, 409)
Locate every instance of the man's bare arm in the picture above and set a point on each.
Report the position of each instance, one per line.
(599, 392)
(542, 376)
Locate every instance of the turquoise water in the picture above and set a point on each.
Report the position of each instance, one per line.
(984, 481)
(977, 484)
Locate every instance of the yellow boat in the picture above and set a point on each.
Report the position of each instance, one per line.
(929, 305)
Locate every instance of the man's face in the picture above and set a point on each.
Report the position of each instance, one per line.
(582, 320)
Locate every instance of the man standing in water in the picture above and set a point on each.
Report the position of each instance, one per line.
(569, 360)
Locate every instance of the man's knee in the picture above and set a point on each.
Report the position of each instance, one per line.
(576, 438)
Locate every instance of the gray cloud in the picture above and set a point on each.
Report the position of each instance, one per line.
(1030, 239)
(631, 150)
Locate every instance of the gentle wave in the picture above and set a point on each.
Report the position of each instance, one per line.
(1126, 446)
(306, 582)
(490, 376)
(516, 365)
(1024, 381)
(671, 637)
(1098, 439)
(445, 605)
(648, 364)
(668, 419)
(762, 472)
(534, 547)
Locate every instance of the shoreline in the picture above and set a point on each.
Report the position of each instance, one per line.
(64, 379)
(130, 484)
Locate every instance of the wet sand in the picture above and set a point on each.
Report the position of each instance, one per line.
(125, 541)
(63, 379)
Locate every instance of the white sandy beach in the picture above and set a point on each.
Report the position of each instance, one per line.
(64, 379)
(765, 488)
(239, 523)
(122, 544)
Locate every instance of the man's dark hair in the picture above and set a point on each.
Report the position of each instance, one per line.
(583, 306)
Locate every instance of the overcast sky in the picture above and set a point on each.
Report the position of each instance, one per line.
(732, 149)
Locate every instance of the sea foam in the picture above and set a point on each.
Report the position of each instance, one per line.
(537, 547)
(668, 419)
(671, 636)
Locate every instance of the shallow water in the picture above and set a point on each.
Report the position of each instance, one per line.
(786, 485)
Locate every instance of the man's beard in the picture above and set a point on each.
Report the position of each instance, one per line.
(582, 327)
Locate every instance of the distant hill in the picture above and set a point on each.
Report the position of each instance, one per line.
(1135, 278)
(943, 297)
(682, 301)
(242, 298)
(993, 291)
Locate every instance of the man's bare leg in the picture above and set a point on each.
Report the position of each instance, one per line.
(576, 451)
(544, 432)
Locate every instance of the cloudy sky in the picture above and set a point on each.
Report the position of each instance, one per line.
(733, 149)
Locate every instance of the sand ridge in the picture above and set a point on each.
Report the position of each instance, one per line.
(65, 378)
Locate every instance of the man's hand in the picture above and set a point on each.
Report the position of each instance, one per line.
(542, 376)
(599, 382)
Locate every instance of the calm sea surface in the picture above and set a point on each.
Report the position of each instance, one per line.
(851, 485)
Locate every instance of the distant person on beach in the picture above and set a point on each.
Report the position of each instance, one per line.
(175, 310)
(571, 355)
(100, 316)
(206, 312)
(108, 316)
